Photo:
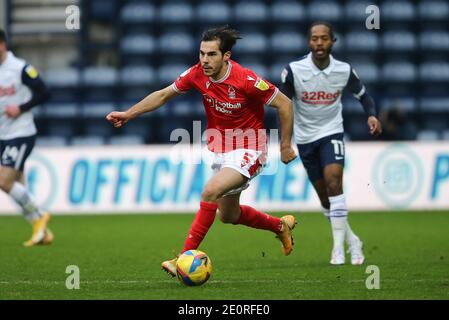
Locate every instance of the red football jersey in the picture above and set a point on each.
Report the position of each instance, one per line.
(234, 106)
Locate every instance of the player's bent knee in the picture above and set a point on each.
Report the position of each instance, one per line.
(334, 188)
(6, 185)
(209, 194)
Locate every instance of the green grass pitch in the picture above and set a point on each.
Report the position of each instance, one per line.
(119, 257)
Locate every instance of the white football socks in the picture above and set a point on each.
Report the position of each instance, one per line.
(339, 219)
(350, 236)
(23, 198)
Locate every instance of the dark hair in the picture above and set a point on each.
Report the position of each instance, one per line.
(326, 24)
(227, 36)
(3, 37)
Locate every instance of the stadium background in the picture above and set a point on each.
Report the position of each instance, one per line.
(124, 50)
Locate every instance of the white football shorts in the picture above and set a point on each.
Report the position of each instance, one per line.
(246, 161)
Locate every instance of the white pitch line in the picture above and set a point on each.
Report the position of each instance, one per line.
(34, 282)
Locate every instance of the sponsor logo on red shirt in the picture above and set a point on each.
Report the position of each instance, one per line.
(223, 107)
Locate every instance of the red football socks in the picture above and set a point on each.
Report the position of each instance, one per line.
(252, 218)
(203, 221)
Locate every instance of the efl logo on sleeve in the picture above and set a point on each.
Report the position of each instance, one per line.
(261, 85)
(32, 72)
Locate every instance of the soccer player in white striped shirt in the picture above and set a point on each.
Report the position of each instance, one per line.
(21, 89)
(315, 84)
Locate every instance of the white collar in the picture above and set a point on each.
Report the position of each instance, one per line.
(316, 70)
(228, 72)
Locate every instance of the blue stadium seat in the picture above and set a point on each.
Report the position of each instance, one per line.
(253, 43)
(276, 70)
(325, 10)
(168, 73)
(126, 140)
(367, 71)
(137, 75)
(87, 141)
(352, 106)
(50, 141)
(138, 44)
(399, 40)
(288, 42)
(433, 121)
(428, 135)
(259, 68)
(140, 12)
(434, 10)
(98, 127)
(68, 77)
(356, 10)
(214, 12)
(103, 10)
(434, 40)
(288, 11)
(140, 129)
(397, 11)
(99, 76)
(361, 41)
(357, 128)
(198, 108)
(434, 71)
(436, 104)
(250, 12)
(96, 110)
(340, 44)
(61, 110)
(176, 42)
(61, 128)
(181, 108)
(178, 13)
(398, 72)
(405, 103)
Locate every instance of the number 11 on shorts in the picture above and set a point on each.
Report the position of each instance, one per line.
(339, 149)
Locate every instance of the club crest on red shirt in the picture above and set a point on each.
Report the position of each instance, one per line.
(231, 92)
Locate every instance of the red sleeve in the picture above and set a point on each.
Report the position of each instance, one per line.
(260, 89)
(184, 82)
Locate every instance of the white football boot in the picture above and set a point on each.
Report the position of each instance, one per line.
(338, 256)
(355, 248)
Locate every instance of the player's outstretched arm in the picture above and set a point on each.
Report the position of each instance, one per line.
(285, 111)
(148, 104)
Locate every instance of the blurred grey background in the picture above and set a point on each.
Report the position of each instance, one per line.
(126, 49)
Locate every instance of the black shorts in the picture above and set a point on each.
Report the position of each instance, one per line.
(318, 154)
(14, 152)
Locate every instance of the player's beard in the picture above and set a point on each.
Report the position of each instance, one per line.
(325, 55)
(213, 72)
(208, 71)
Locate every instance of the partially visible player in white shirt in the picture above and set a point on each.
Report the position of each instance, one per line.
(21, 89)
(315, 84)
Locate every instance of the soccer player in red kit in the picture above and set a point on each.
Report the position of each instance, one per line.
(234, 99)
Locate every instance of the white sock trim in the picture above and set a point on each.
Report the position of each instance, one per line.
(338, 206)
